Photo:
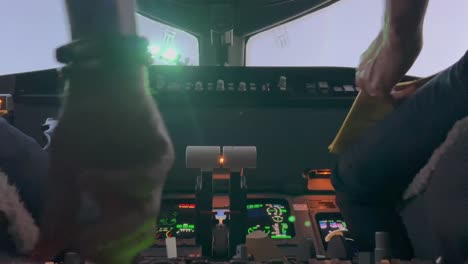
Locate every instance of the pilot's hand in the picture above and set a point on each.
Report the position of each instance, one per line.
(404, 90)
(386, 62)
(108, 163)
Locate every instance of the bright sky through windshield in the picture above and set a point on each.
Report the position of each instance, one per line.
(338, 34)
(32, 30)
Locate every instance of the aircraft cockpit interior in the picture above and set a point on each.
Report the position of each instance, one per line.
(233, 131)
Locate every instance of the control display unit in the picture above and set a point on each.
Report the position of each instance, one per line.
(329, 222)
(270, 216)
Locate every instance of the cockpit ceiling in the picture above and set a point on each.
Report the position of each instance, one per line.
(244, 16)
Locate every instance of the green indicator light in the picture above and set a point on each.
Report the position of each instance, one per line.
(191, 226)
(292, 219)
(280, 237)
(307, 223)
(185, 225)
(170, 54)
(179, 226)
(267, 227)
(284, 210)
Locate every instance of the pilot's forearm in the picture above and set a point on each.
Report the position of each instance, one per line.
(395, 49)
(405, 18)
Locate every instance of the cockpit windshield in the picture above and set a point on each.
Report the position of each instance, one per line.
(336, 36)
(31, 35)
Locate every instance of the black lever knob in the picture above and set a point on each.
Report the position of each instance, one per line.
(306, 251)
(340, 247)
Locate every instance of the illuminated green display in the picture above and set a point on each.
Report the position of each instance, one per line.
(273, 219)
(176, 220)
(281, 237)
(253, 206)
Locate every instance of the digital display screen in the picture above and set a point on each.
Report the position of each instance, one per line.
(329, 222)
(176, 219)
(272, 217)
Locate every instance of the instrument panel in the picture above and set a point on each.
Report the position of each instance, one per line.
(209, 105)
(287, 220)
(177, 218)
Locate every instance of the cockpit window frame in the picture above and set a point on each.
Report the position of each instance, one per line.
(139, 12)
